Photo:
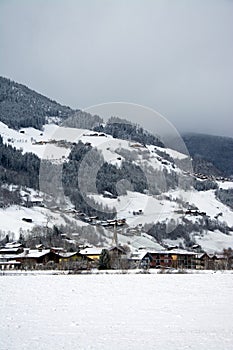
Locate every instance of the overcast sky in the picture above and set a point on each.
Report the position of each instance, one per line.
(175, 56)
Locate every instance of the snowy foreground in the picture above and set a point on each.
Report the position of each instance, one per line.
(172, 311)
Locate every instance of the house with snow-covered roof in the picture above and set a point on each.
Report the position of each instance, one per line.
(9, 264)
(209, 261)
(92, 253)
(177, 258)
(11, 251)
(8, 259)
(33, 257)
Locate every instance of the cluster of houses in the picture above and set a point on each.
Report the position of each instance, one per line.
(96, 134)
(209, 177)
(94, 220)
(15, 256)
(195, 212)
(181, 259)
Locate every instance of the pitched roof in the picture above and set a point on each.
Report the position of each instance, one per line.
(67, 254)
(33, 253)
(10, 262)
(6, 257)
(8, 250)
(11, 245)
(138, 255)
(91, 251)
(118, 248)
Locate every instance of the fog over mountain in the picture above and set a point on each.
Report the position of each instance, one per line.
(173, 56)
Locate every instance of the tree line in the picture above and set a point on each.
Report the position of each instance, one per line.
(121, 129)
(21, 107)
(18, 168)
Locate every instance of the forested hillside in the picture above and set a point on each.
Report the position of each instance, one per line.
(23, 107)
(214, 149)
(116, 180)
(125, 130)
(71, 181)
(17, 168)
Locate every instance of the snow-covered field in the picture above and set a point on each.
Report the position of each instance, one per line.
(117, 312)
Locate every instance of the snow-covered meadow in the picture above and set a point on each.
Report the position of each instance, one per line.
(171, 311)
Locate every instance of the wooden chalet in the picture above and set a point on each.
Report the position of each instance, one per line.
(177, 259)
(11, 251)
(91, 253)
(140, 259)
(33, 257)
(73, 260)
(206, 261)
(9, 264)
(71, 257)
(222, 262)
(8, 254)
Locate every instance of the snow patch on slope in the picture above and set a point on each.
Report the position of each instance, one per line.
(214, 241)
(11, 218)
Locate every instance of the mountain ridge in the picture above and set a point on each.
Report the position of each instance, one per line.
(24, 107)
(145, 184)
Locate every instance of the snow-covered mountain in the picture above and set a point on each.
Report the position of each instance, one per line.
(141, 210)
(86, 179)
